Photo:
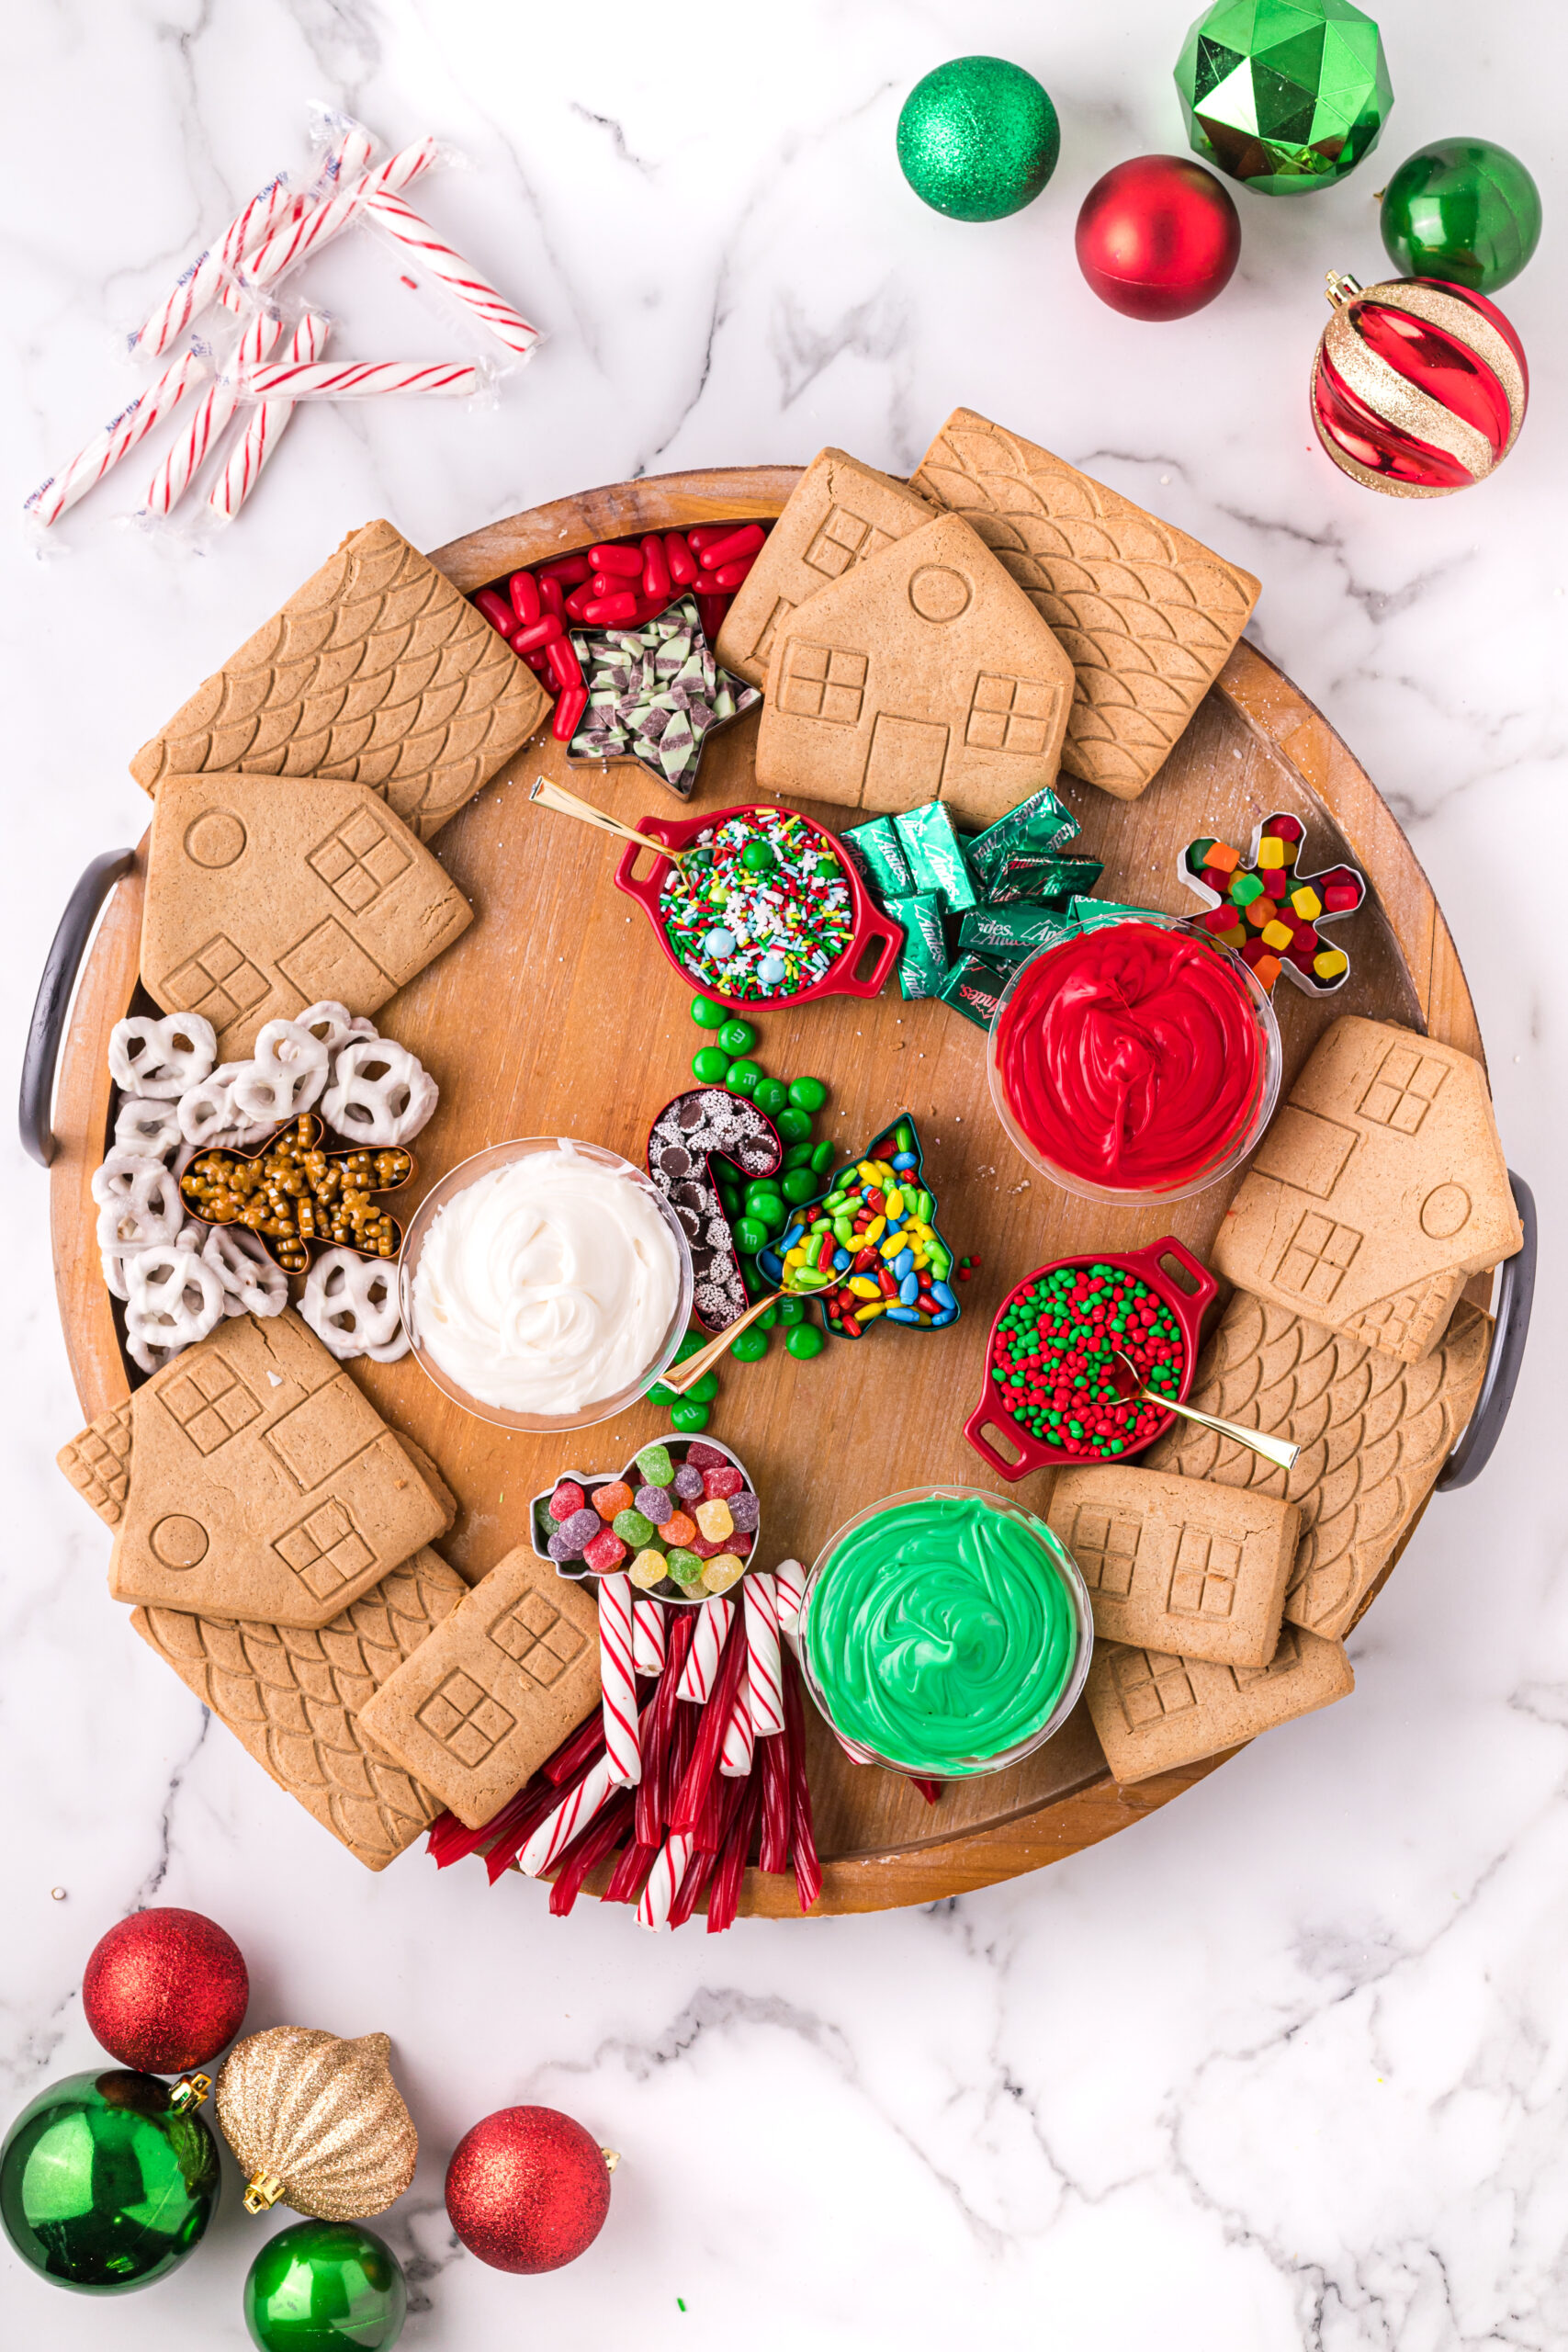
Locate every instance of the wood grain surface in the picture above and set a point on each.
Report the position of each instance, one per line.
(558, 1014)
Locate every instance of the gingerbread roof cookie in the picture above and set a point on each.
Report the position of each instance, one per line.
(1155, 1712)
(922, 675)
(252, 1478)
(839, 513)
(266, 894)
(475, 1710)
(1148, 615)
(291, 1698)
(376, 672)
(1373, 1434)
(1379, 1187)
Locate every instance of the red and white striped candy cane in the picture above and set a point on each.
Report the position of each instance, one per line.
(214, 409)
(268, 422)
(557, 1829)
(106, 449)
(740, 1738)
(764, 1671)
(648, 1635)
(669, 1866)
(211, 275)
(348, 156)
(346, 379)
(618, 1680)
(292, 242)
(702, 1659)
(459, 277)
(789, 1591)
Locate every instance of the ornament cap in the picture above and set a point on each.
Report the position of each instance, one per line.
(1341, 288)
(262, 2192)
(611, 2158)
(188, 2093)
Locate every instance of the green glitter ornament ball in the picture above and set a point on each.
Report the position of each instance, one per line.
(105, 2184)
(326, 2287)
(1286, 95)
(1463, 209)
(978, 138)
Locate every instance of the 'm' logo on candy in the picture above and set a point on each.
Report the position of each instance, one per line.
(1269, 911)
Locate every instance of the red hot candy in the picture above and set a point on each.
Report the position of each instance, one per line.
(524, 591)
(719, 552)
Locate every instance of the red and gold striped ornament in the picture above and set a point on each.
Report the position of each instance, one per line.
(1418, 388)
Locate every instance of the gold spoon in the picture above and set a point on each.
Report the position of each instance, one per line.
(1132, 1389)
(681, 1376)
(552, 795)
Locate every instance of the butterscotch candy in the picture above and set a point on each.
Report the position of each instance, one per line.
(922, 675)
(1148, 615)
(1155, 1712)
(478, 1707)
(1176, 1563)
(839, 513)
(377, 671)
(1379, 1188)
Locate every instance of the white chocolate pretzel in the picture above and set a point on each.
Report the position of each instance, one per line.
(252, 1283)
(286, 1077)
(161, 1054)
(147, 1212)
(380, 1094)
(351, 1303)
(173, 1300)
(147, 1124)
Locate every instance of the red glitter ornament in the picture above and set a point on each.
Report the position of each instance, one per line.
(527, 2190)
(1158, 237)
(164, 1991)
(1418, 388)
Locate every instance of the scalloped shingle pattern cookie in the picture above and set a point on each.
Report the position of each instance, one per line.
(98, 1462)
(376, 672)
(1373, 1432)
(1147, 615)
(292, 1699)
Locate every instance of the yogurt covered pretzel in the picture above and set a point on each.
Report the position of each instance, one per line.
(209, 1115)
(380, 1094)
(161, 1054)
(145, 1212)
(351, 1303)
(147, 1124)
(252, 1283)
(173, 1300)
(286, 1077)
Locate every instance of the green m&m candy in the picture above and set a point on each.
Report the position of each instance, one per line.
(806, 1341)
(708, 1016)
(737, 1037)
(741, 1076)
(709, 1065)
(808, 1093)
(770, 1094)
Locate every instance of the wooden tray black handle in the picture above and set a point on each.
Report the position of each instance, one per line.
(53, 1000)
(1516, 1290)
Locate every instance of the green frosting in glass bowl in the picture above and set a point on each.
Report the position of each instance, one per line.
(943, 1631)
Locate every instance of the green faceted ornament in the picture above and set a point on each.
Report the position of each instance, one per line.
(1463, 209)
(323, 2287)
(107, 2181)
(978, 138)
(1285, 95)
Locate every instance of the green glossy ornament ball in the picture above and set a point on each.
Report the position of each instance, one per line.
(104, 2184)
(1463, 209)
(978, 138)
(326, 2287)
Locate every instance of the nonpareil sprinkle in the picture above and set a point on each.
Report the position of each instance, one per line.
(760, 908)
(1052, 1358)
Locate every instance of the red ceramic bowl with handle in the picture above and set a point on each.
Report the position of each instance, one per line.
(989, 1429)
(873, 934)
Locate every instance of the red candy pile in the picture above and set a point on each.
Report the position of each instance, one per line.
(617, 584)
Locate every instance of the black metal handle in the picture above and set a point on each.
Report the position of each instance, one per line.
(60, 964)
(1516, 1290)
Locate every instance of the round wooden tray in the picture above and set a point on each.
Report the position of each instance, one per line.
(558, 1014)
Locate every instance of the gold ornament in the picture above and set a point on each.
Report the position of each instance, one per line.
(317, 2122)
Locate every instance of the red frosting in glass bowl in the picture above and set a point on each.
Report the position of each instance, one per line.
(1134, 1061)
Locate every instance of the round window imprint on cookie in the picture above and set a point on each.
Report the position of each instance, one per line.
(1445, 1211)
(215, 838)
(939, 595)
(179, 1541)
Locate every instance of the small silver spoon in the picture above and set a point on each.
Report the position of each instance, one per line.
(1132, 1389)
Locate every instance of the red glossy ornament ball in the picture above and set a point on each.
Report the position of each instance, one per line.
(166, 1991)
(527, 2190)
(1418, 388)
(1158, 237)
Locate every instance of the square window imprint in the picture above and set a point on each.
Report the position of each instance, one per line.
(465, 1719)
(210, 1403)
(1150, 1687)
(359, 859)
(1105, 1549)
(1313, 1262)
(1403, 1089)
(217, 981)
(1010, 715)
(325, 1549)
(841, 538)
(823, 681)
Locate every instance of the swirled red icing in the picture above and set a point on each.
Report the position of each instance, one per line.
(1131, 1057)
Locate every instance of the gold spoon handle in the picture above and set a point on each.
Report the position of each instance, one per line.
(681, 1376)
(553, 795)
(1276, 1449)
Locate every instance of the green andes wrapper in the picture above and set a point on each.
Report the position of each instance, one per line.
(1007, 934)
(922, 966)
(936, 855)
(877, 855)
(1045, 881)
(974, 987)
(1093, 914)
(1039, 823)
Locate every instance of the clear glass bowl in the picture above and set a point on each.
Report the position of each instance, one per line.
(1271, 1066)
(1060, 1561)
(469, 1171)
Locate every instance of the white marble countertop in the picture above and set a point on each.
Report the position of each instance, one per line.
(1283, 2067)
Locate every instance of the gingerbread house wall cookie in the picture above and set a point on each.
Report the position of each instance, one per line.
(839, 513)
(1148, 615)
(267, 894)
(376, 672)
(1153, 1712)
(1379, 1188)
(922, 675)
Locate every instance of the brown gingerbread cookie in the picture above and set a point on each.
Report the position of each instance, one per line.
(1155, 1712)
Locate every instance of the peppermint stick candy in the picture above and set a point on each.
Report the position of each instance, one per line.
(557, 1829)
(789, 1588)
(214, 409)
(347, 157)
(355, 379)
(106, 449)
(293, 242)
(669, 1866)
(211, 273)
(618, 1680)
(459, 277)
(764, 1675)
(648, 1635)
(740, 1738)
(267, 423)
(702, 1662)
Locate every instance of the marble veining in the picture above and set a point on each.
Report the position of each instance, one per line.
(1284, 2067)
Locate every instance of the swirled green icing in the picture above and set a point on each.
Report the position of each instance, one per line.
(940, 1634)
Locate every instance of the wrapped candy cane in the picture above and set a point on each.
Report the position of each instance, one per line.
(217, 405)
(106, 449)
(356, 379)
(702, 1661)
(764, 1674)
(557, 1829)
(789, 1588)
(670, 1867)
(291, 242)
(267, 423)
(211, 275)
(648, 1636)
(739, 1737)
(617, 1681)
(459, 277)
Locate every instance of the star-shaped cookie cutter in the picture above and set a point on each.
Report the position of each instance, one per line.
(602, 651)
(292, 1252)
(1271, 913)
